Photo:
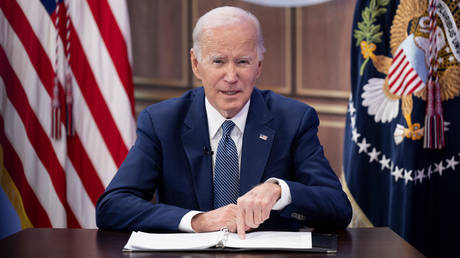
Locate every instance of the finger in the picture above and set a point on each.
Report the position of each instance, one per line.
(240, 225)
(266, 210)
(232, 219)
(249, 217)
(258, 216)
(232, 227)
(266, 213)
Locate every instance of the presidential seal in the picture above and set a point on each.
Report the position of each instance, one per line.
(425, 45)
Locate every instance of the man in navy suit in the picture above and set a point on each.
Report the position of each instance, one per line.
(284, 181)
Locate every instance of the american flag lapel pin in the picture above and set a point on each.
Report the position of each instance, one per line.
(263, 137)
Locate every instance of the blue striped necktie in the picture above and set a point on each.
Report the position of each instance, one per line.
(226, 171)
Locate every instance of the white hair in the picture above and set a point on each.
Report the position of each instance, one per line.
(222, 16)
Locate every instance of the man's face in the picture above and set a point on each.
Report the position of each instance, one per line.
(229, 66)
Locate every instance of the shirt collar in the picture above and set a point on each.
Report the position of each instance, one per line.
(215, 119)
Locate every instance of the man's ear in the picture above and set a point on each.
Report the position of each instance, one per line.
(259, 69)
(194, 61)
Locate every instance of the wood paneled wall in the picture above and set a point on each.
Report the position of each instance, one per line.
(307, 56)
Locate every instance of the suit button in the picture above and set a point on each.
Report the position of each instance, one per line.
(297, 216)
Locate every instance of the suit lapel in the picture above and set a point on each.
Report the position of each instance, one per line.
(257, 143)
(195, 138)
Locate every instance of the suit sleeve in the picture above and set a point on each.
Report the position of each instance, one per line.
(318, 200)
(126, 203)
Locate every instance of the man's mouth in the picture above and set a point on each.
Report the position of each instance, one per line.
(230, 93)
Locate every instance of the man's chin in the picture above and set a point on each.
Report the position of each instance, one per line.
(230, 111)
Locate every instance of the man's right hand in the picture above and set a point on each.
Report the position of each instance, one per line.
(223, 217)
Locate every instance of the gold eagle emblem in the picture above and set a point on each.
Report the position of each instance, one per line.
(411, 23)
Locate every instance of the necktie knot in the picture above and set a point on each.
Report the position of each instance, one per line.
(227, 127)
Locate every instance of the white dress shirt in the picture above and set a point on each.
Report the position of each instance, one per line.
(215, 120)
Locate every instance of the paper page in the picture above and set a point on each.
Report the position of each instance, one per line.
(271, 240)
(141, 241)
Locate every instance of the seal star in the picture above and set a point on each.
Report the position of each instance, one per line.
(373, 155)
(420, 175)
(397, 173)
(353, 121)
(451, 163)
(384, 162)
(439, 168)
(407, 176)
(430, 172)
(351, 108)
(363, 145)
(355, 135)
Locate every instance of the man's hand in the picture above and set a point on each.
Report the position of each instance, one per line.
(223, 217)
(254, 207)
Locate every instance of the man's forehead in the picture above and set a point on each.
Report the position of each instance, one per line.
(213, 33)
(215, 38)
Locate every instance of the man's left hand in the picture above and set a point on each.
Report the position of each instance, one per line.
(254, 207)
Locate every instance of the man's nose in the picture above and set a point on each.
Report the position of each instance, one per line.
(231, 74)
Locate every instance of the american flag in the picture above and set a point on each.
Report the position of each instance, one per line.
(403, 76)
(56, 182)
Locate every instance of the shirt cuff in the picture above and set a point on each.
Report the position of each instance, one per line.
(285, 198)
(185, 224)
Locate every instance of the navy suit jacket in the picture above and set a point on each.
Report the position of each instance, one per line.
(170, 158)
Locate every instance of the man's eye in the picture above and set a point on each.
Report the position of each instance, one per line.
(218, 61)
(243, 62)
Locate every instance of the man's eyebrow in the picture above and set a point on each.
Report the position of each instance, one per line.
(216, 56)
(244, 57)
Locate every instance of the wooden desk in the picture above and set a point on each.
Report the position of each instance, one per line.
(85, 243)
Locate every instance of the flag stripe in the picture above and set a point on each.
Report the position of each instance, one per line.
(94, 99)
(86, 127)
(394, 81)
(64, 177)
(31, 203)
(408, 83)
(27, 62)
(102, 115)
(36, 135)
(78, 156)
(24, 170)
(35, 173)
(78, 198)
(115, 43)
(42, 25)
(397, 60)
(21, 26)
(103, 70)
(118, 8)
(87, 173)
(91, 138)
(90, 90)
(418, 84)
(401, 78)
(96, 103)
